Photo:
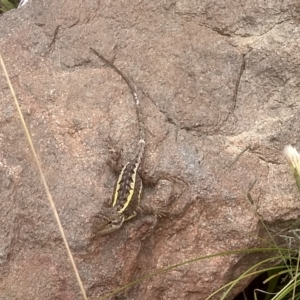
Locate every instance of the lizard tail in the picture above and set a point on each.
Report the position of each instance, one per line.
(139, 116)
(140, 151)
(133, 92)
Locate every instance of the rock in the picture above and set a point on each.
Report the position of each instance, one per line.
(219, 89)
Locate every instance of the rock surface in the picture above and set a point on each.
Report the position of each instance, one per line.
(215, 78)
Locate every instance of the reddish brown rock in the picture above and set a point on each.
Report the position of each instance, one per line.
(214, 79)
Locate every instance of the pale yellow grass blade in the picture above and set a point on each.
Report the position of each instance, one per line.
(43, 179)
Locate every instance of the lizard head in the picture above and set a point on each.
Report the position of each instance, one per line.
(107, 221)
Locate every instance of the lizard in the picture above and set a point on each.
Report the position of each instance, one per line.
(128, 186)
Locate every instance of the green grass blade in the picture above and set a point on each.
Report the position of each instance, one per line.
(7, 4)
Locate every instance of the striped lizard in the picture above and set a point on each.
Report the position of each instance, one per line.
(128, 187)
